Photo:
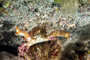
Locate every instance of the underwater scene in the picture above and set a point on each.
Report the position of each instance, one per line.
(44, 29)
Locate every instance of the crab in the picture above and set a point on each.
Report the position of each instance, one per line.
(37, 35)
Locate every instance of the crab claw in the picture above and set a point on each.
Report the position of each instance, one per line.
(59, 33)
(68, 35)
(23, 33)
(20, 32)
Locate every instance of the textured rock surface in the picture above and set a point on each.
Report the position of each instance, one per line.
(28, 14)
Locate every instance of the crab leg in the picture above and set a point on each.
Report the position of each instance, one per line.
(58, 33)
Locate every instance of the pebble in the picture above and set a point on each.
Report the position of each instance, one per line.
(1, 25)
